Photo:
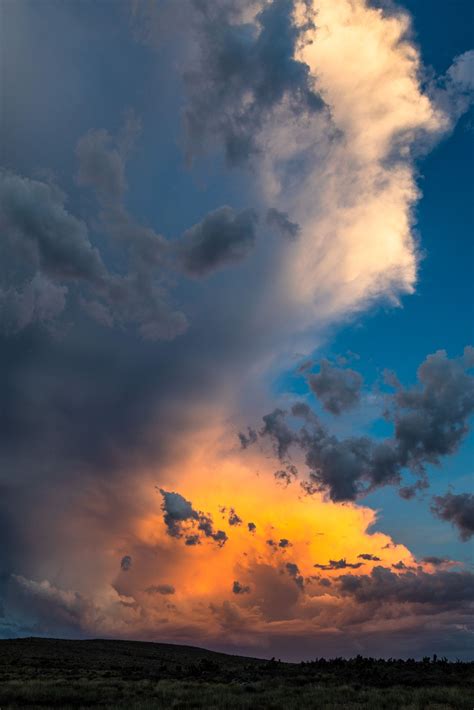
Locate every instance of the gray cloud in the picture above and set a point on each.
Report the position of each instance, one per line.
(164, 589)
(244, 71)
(38, 228)
(180, 517)
(458, 509)
(430, 421)
(281, 222)
(294, 572)
(436, 561)
(223, 237)
(49, 251)
(367, 556)
(340, 564)
(338, 389)
(126, 563)
(251, 527)
(176, 510)
(238, 588)
(287, 475)
(247, 439)
(446, 589)
(234, 518)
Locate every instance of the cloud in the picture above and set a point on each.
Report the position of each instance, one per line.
(446, 589)
(294, 572)
(180, 518)
(339, 564)
(238, 588)
(337, 388)
(287, 475)
(126, 563)
(223, 237)
(430, 420)
(49, 251)
(282, 224)
(369, 557)
(163, 589)
(44, 233)
(244, 70)
(457, 509)
(247, 439)
(37, 301)
(436, 561)
(251, 527)
(234, 518)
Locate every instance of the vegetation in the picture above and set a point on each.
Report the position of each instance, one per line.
(49, 673)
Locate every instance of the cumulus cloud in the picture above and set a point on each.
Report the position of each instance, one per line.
(38, 226)
(49, 249)
(182, 520)
(234, 519)
(294, 572)
(223, 237)
(245, 68)
(164, 589)
(247, 439)
(84, 413)
(126, 563)
(281, 223)
(339, 564)
(287, 475)
(430, 420)
(383, 586)
(338, 389)
(238, 588)
(457, 509)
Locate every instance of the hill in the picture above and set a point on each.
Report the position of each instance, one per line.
(54, 673)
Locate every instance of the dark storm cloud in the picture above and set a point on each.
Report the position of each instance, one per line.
(126, 563)
(47, 251)
(101, 165)
(430, 421)
(446, 589)
(367, 556)
(458, 509)
(294, 572)
(38, 227)
(339, 564)
(338, 389)
(238, 588)
(244, 71)
(164, 589)
(251, 527)
(222, 238)
(281, 222)
(179, 514)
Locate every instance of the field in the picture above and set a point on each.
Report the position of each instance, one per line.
(49, 673)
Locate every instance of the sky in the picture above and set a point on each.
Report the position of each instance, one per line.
(236, 324)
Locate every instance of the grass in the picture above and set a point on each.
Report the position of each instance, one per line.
(47, 673)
